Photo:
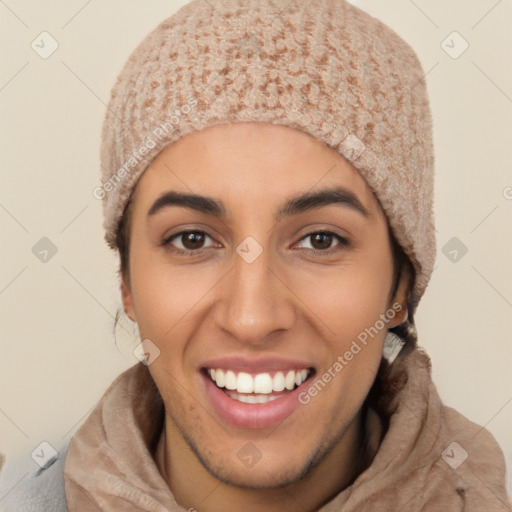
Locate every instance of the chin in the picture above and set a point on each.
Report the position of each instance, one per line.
(242, 465)
(259, 477)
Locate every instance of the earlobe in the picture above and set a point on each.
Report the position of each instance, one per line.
(400, 300)
(126, 297)
(401, 317)
(399, 313)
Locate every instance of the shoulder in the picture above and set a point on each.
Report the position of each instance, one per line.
(33, 490)
(474, 460)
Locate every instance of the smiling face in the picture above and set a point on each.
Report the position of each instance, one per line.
(257, 257)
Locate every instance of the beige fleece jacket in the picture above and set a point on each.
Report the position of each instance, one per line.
(426, 457)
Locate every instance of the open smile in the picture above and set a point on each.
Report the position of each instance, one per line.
(257, 388)
(251, 399)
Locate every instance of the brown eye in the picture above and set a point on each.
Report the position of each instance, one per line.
(324, 242)
(189, 241)
(193, 240)
(321, 241)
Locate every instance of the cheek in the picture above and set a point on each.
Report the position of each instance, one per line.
(165, 294)
(351, 301)
(360, 299)
(167, 302)
(350, 297)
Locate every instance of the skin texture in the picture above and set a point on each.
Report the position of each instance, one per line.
(290, 302)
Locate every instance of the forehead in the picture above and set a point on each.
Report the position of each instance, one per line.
(249, 163)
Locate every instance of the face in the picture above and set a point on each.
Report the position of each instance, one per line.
(259, 259)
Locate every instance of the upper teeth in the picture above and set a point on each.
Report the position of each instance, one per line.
(261, 383)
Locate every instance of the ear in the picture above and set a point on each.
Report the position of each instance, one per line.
(126, 296)
(400, 300)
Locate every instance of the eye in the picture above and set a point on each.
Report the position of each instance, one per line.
(189, 241)
(322, 242)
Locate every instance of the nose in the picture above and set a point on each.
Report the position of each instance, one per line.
(255, 304)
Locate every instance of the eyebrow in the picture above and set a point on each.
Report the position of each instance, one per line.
(194, 201)
(325, 197)
(294, 206)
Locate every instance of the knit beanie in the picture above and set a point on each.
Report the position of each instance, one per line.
(323, 67)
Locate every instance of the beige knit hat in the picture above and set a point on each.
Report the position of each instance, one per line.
(321, 66)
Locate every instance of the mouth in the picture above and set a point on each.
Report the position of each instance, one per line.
(255, 400)
(259, 388)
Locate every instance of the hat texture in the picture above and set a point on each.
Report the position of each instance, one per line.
(324, 67)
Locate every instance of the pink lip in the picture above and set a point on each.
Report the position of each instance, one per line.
(251, 416)
(261, 365)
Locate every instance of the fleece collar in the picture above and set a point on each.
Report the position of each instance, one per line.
(416, 444)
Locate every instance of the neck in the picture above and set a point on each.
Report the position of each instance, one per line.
(193, 486)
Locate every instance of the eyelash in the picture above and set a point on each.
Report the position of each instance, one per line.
(342, 244)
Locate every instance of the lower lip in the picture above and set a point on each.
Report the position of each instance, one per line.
(253, 416)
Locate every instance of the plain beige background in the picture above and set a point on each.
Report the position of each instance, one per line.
(58, 353)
